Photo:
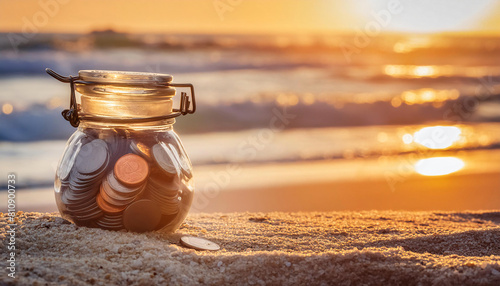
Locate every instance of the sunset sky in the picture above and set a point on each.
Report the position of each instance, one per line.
(248, 16)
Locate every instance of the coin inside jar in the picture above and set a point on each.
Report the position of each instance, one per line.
(141, 149)
(141, 216)
(165, 159)
(131, 170)
(92, 157)
(107, 207)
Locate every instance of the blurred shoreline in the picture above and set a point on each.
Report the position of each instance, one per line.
(386, 107)
(36, 162)
(327, 185)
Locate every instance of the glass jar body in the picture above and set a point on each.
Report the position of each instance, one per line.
(137, 178)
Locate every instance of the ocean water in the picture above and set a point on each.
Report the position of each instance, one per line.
(336, 105)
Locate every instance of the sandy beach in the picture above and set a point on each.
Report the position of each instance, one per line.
(331, 142)
(317, 248)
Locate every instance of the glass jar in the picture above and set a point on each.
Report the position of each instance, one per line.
(124, 167)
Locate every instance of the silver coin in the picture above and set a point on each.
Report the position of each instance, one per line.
(92, 157)
(90, 212)
(121, 189)
(199, 243)
(183, 153)
(164, 182)
(118, 144)
(112, 222)
(185, 166)
(115, 196)
(68, 159)
(165, 159)
(140, 149)
(167, 206)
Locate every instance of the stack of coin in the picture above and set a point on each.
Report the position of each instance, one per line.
(183, 157)
(110, 221)
(182, 161)
(164, 157)
(123, 184)
(125, 179)
(90, 165)
(164, 191)
(68, 159)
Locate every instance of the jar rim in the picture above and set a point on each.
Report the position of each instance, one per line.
(124, 77)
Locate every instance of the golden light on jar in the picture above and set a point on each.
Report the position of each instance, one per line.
(438, 166)
(437, 137)
(7, 108)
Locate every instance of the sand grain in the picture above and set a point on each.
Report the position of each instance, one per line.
(344, 248)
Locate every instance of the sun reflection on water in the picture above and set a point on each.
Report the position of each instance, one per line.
(439, 166)
(437, 137)
(433, 71)
(413, 71)
(425, 95)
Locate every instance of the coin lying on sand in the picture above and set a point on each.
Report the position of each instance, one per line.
(199, 243)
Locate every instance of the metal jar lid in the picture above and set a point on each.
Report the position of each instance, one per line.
(105, 82)
(125, 77)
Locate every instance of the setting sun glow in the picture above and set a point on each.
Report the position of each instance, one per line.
(257, 16)
(438, 166)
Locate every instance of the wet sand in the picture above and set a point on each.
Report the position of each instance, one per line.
(344, 248)
(450, 193)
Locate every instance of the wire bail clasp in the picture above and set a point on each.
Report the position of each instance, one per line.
(70, 114)
(187, 102)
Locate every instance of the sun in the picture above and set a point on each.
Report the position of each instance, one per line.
(431, 16)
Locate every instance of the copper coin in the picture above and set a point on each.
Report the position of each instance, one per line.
(141, 216)
(108, 208)
(131, 170)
